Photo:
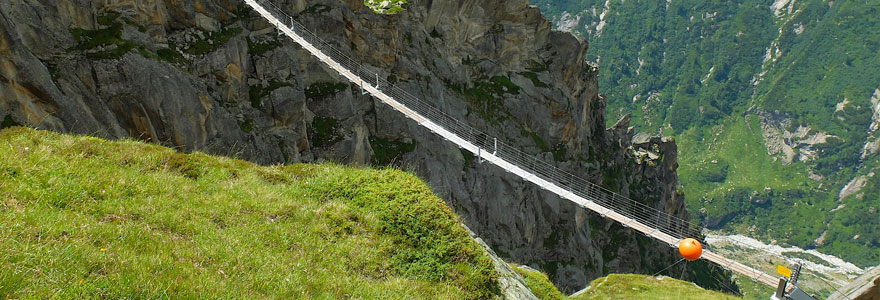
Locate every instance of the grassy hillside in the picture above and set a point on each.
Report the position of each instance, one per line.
(632, 286)
(706, 72)
(81, 217)
(623, 286)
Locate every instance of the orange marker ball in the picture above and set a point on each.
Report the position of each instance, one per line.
(690, 249)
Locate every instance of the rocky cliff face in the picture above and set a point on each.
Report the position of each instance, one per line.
(212, 76)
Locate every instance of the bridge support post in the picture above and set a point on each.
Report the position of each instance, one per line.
(363, 90)
(496, 147)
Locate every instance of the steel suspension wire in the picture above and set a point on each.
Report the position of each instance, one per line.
(667, 268)
(834, 290)
(724, 284)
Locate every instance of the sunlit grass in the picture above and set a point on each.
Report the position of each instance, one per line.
(631, 286)
(623, 286)
(82, 217)
(395, 6)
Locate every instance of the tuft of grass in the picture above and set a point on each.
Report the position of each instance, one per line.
(435, 34)
(139, 27)
(114, 46)
(256, 93)
(172, 55)
(108, 37)
(535, 66)
(539, 142)
(396, 6)
(8, 121)
(387, 152)
(258, 48)
(539, 284)
(534, 78)
(486, 98)
(320, 90)
(633, 286)
(325, 132)
(212, 41)
(246, 126)
(468, 161)
(82, 217)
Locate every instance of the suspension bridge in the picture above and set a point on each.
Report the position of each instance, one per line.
(638, 216)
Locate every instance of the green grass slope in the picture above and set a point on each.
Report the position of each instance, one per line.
(622, 286)
(81, 217)
(633, 286)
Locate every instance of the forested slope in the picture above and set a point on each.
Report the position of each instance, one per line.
(773, 104)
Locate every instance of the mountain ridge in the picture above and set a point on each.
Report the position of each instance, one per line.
(772, 104)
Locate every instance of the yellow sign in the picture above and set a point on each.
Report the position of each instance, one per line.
(783, 271)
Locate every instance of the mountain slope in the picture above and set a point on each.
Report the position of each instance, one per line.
(772, 102)
(87, 218)
(622, 286)
(629, 286)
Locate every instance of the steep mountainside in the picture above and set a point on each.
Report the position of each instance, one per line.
(774, 105)
(214, 77)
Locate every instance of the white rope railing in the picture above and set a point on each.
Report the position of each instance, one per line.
(633, 214)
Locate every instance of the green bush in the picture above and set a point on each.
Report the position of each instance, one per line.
(320, 90)
(258, 48)
(256, 93)
(111, 36)
(325, 132)
(396, 7)
(387, 152)
(213, 41)
(486, 98)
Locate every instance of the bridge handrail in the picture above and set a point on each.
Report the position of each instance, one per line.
(661, 220)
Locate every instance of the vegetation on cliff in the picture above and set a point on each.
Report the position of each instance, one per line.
(632, 286)
(386, 7)
(539, 283)
(81, 217)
